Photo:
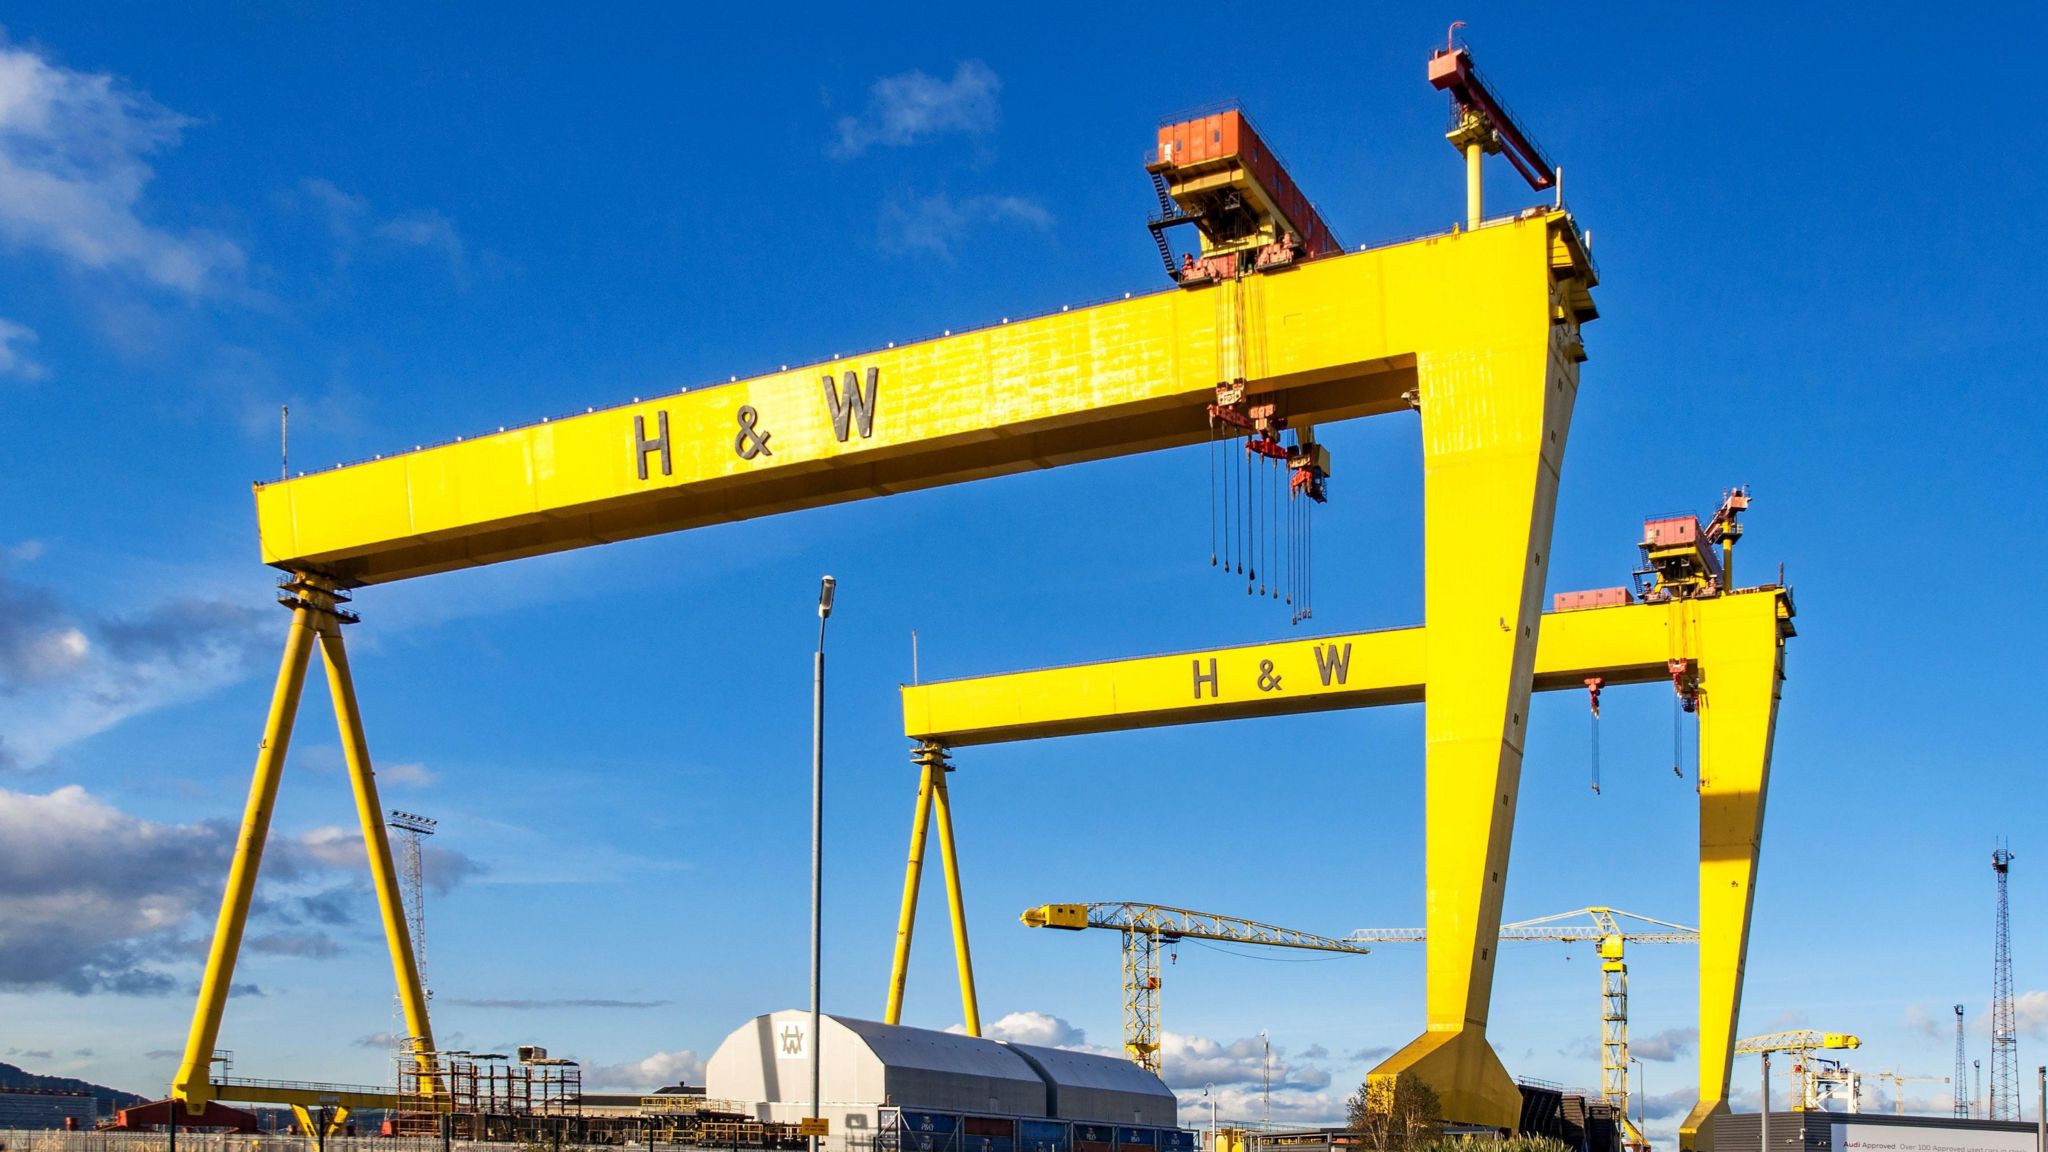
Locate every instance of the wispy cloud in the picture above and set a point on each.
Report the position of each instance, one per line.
(407, 775)
(911, 106)
(74, 164)
(66, 675)
(546, 1005)
(14, 357)
(353, 222)
(932, 225)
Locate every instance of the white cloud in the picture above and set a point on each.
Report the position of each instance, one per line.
(1192, 1061)
(408, 775)
(932, 224)
(2030, 1012)
(657, 1071)
(909, 106)
(73, 168)
(1040, 1028)
(14, 359)
(426, 230)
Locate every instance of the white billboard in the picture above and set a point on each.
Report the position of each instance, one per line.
(1851, 1137)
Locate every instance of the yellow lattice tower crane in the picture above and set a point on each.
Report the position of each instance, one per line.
(1803, 1043)
(1899, 1082)
(1145, 927)
(1610, 934)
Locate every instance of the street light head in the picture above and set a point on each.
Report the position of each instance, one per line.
(825, 590)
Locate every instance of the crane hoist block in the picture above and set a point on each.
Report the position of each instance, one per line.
(1234, 189)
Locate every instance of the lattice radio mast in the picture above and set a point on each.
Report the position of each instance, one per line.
(2005, 1041)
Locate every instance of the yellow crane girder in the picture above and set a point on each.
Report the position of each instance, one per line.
(1733, 644)
(1332, 339)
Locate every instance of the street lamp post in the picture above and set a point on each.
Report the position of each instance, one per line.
(1209, 1094)
(1642, 1089)
(1763, 1117)
(826, 587)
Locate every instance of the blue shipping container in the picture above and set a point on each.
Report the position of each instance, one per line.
(1044, 1136)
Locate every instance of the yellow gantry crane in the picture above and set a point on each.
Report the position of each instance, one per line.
(1803, 1043)
(1611, 930)
(1147, 926)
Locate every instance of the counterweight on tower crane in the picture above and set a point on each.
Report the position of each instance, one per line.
(1147, 926)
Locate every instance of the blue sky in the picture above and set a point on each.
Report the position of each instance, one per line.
(1821, 249)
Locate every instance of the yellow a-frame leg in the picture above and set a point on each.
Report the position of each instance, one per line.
(1741, 681)
(383, 874)
(1493, 430)
(193, 1084)
(316, 613)
(932, 796)
(933, 767)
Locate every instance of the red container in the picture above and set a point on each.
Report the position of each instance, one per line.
(1591, 598)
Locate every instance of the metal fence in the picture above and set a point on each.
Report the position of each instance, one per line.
(58, 1140)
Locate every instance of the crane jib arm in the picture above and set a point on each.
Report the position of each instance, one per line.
(1328, 340)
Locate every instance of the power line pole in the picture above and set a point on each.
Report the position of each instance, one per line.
(2005, 1041)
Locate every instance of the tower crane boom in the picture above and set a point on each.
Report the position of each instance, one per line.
(1147, 926)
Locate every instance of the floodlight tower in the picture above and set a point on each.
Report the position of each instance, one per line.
(1961, 1080)
(413, 829)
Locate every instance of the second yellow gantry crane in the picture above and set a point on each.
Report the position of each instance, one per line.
(1145, 927)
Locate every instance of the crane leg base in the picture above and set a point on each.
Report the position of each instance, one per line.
(1471, 1084)
(1696, 1134)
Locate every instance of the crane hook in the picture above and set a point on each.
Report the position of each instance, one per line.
(1451, 37)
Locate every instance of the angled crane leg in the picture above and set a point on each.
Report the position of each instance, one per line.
(1741, 677)
(356, 750)
(913, 875)
(192, 1087)
(1493, 429)
(970, 1008)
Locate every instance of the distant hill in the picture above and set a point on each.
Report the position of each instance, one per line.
(110, 1098)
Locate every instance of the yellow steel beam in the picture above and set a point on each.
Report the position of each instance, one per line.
(1330, 339)
(933, 770)
(1733, 645)
(1627, 645)
(192, 1087)
(377, 845)
(963, 957)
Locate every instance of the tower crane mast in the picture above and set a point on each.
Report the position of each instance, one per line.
(1145, 927)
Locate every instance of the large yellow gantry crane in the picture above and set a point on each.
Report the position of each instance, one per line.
(1477, 329)
(1722, 651)
(1610, 931)
(1145, 927)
